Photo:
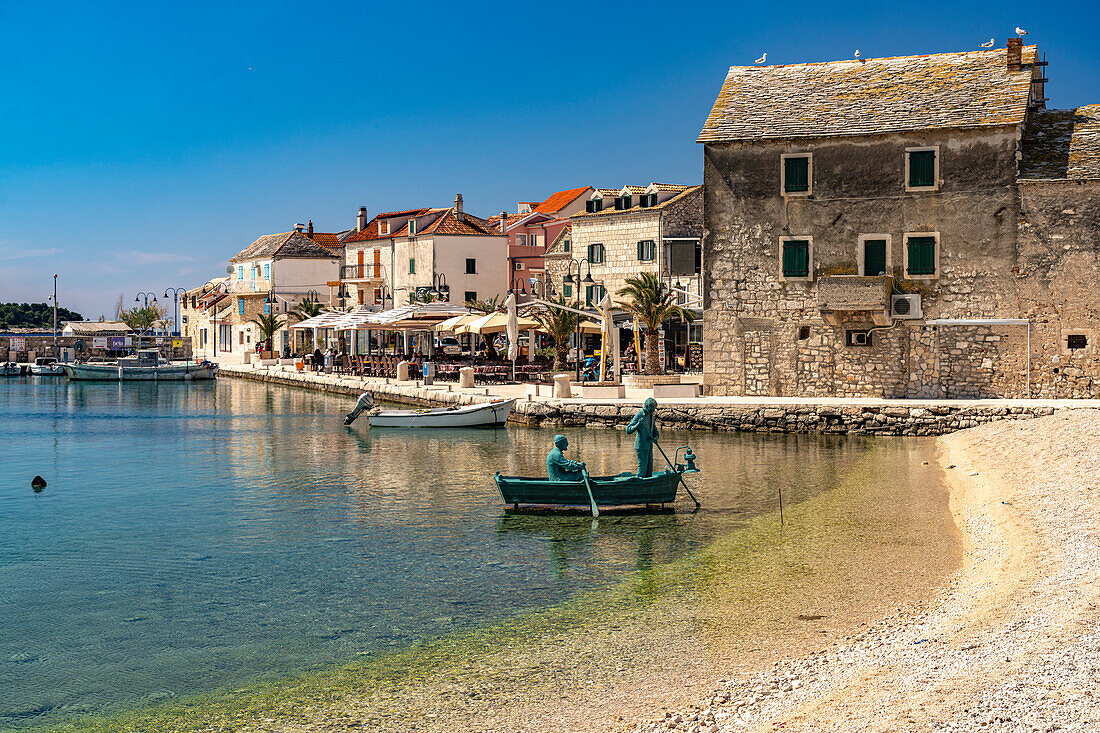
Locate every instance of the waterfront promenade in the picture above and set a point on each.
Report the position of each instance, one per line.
(862, 415)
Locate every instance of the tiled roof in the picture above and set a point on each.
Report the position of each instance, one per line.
(558, 201)
(871, 96)
(331, 242)
(282, 246)
(1062, 143)
(611, 211)
(469, 225)
(371, 230)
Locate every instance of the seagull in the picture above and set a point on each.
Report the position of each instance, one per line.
(1020, 31)
(857, 53)
(990, 44)
(762, 59)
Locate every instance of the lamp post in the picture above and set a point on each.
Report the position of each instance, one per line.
(56, 348)
(440, 290)
(146, 296)
(176, 299)
(214, 287)
(569, 279)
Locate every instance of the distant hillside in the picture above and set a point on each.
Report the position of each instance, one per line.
(33, 315)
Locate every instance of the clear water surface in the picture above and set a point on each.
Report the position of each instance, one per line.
(197, 536)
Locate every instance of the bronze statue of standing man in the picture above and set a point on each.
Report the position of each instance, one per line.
(643, 427)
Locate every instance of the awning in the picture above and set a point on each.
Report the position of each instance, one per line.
(496, 323)
(323, 320)
(413, 317)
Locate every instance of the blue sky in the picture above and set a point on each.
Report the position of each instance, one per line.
(143, 144)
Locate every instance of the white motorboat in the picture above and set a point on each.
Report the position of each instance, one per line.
(10, 369)
(46, 366)
(146, 366)
(489, 414)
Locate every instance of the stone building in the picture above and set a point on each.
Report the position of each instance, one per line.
(900, 227)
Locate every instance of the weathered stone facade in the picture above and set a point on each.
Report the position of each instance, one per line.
(1014, 265)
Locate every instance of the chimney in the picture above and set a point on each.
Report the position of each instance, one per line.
(458, 207)
(309, 230)
(298, 227)
(503, 223)
(1015, 54)
(361, 219)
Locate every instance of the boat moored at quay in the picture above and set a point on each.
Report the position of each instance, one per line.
(147, 365)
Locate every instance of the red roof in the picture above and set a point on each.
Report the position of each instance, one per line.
(371, 230)
(560, 200)
(329, 241)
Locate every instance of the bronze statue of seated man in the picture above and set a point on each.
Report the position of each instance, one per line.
(560, 468)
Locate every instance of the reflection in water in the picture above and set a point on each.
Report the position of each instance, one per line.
(197, 536)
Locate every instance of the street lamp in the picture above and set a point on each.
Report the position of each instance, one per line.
(440, 290)
(569, 279)
(214, 287)
(542, 289)
(175, 295)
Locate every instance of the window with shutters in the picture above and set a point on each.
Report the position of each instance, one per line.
(593, 206)
(647, 250)
(240, 306)
(595, 253)
(471, 266)
(240, 272)
(922, 168)
(412, 266)
(874, 254)
(797, 258)
(647, 200)
(593, 294)
(567, 290)
(267, 271)
(566, 245)
(922, 254)
(797, 174)
(622, 202)
(267, 306)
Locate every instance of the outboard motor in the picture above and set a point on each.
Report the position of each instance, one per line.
(366, 402)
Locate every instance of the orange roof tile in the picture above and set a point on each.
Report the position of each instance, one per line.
(558, 201)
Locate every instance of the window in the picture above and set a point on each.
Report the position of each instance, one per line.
(921, 255)
(471, 266)
(797, 174)
(649, 199)
(803, 333)
(240, 306)
(267, 306)
(567, 290)
(797, 256)
(647, 250)
(383, 227)
(922, 168)
(360, 295)
(378, 295)
(1076, 341)
(240, 272)
(412, 266)
(566, 245)
(412, 227)
(267, 271)
(874, 254)
(595, 253)
(622, 202)
(593, 205)
(521, 240)
(593, 294)
(469, 296)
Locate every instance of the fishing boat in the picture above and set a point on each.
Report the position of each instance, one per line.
(10, 369)
(147, 365)
(489, 414)
(46, 366)
(624, 489)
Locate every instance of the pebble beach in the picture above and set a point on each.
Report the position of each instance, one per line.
(1013, 641)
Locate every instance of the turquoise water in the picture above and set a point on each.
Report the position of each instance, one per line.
(198, 536)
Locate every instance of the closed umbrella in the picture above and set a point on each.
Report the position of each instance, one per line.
(512, 327)
(609, 333)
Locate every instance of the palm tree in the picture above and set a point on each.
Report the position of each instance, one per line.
(488, 305)
(558, 324)
(305, 310)
(268, 324)
(652, 303)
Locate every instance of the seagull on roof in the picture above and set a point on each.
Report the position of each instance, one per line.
(989, 44)
(762, 59)
(857, 53)
(1020, 31)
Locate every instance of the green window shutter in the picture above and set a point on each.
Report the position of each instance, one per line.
(874, 257)
(412, 266)
(796, 258)
(641, 250)
(796, 175)
(588, 294)
(922, 168)
(922, 255)
(591, 252)
(567, 291)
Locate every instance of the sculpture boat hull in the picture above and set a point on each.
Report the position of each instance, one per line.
(625, 489)
(177, 372)
(490, 414)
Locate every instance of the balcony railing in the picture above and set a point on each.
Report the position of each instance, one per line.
(365, 271)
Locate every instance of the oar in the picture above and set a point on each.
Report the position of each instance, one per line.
(678, 474)
(592, 499)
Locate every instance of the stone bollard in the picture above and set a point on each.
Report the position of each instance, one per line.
(402, 371)
(561, 385)
(466, 377)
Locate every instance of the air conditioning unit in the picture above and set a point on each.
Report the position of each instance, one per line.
(905, 306)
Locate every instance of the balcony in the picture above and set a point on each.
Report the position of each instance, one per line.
(839, 296)
(364, 272)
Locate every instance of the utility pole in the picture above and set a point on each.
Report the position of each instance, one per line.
(56, 351)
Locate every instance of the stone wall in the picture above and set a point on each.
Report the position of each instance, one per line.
(619, 233)
(1006, 251)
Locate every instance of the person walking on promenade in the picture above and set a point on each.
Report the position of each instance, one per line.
(643, 427)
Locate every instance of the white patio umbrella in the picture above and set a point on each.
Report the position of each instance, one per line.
(610, 337)
(512, 327)
(453, 323)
